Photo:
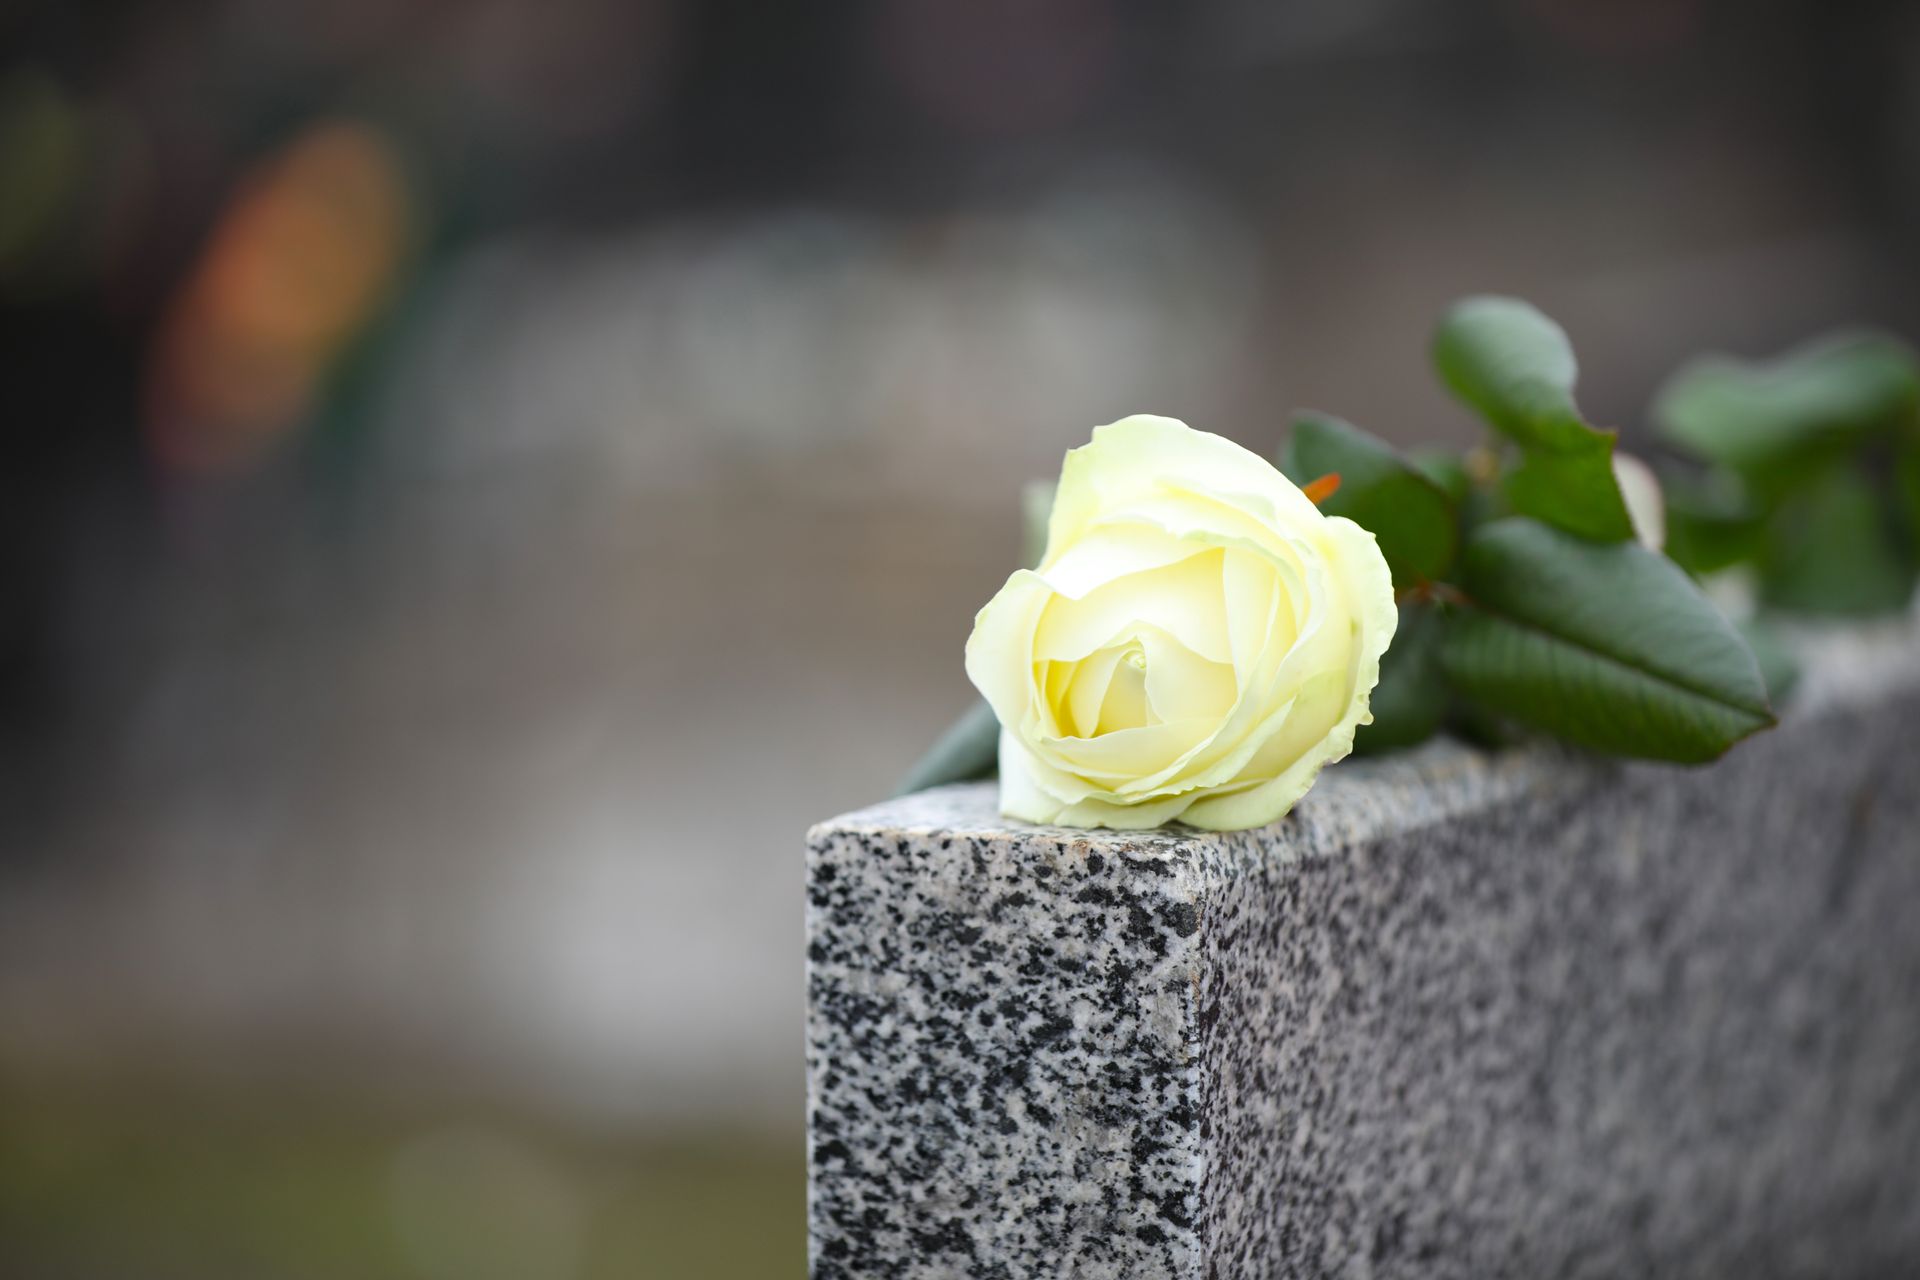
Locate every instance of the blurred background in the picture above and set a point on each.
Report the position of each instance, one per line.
(481, 478)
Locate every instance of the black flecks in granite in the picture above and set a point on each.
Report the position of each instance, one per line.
(1455, 1017)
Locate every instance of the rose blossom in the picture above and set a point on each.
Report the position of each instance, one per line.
(1196, 643)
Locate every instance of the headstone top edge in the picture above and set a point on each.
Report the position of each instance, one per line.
(1363, 798)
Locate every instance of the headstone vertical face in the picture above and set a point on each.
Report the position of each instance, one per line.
(1459, 1015)
(1003, 1047)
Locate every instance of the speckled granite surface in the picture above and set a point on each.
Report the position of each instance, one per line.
(1458, 1015)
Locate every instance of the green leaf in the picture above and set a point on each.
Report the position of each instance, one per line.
(1772, 417)
(1379, 491)
(1506, 360)
(1446, 468)
(1476, 500)
(1512, 364)
(969, 749)
(1575, 490)
(1778, 667)
(1833, 547)
(1712, 521)
(1610, 647)
(1906, 479)
(1411, 698)
(1480, 727)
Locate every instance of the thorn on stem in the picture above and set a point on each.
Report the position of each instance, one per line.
(1318, 491)
(1425, 592)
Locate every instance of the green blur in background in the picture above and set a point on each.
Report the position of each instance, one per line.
(106, 1177)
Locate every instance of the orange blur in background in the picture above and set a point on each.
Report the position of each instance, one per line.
(292, 270)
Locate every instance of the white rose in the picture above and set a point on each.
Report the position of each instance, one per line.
(1196, 643)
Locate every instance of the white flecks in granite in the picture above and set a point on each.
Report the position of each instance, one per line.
(1458, 1015)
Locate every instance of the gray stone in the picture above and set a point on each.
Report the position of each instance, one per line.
(1460, 1014)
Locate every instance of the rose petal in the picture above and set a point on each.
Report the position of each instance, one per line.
(1183, 598)
(1249, 582)
(1125, 754)
(1006, 626)
(1182, 685)
(1125, 704)
(1367, 586)
(1086, 690)
(1114, 551)
(1264, 693)
(1123, 817)
(1144, 455)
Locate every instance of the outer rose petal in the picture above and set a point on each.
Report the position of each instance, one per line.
(1021, 796)
(1002, 637)
(1138, 458)
(1362, 570)
(1024, 797)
